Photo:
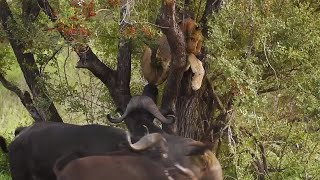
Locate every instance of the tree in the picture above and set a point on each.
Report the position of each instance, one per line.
(261, 61)
(177, 96)
(31, 73)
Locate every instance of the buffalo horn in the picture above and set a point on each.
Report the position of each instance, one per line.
(146, 103)
(146, 141)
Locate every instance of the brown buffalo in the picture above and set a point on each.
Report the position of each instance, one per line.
(112, 167)
(194, 162)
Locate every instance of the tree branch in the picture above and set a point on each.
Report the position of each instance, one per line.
(28, 66)
(177, 45)
(124, 73)
(271, 89)
(45, 63)
(48, 10)
(90, 61)
(118, 81)
(211, 6)
(25, 98)
(218, 101)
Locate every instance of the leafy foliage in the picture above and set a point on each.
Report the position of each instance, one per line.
(263, 55)
(266, 56)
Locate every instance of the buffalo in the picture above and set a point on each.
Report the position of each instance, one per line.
(119, 165)
(180, 147)
(194, 161)
(3, 144)
(146, 103)
(35, 149)
(112, 167)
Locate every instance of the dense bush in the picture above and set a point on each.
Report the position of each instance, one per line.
(263, 54)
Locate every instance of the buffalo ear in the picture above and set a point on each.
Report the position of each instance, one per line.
(196, 148)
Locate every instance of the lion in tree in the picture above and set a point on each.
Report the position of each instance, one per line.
(156, 63)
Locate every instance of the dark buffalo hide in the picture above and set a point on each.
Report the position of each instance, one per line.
(118, 167)
(35, 149)
(186, 158)
(3, 144)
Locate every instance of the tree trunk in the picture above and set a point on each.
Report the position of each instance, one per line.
(193, 108)
(43, 103)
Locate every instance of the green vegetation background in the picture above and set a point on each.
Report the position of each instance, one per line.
(253, 46)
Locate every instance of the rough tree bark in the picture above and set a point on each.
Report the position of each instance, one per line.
(43, 103)
(176, 42)
(193, 108)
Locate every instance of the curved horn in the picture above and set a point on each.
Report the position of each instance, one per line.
(186, 171)
(145, 103)
(132, 105)
(149, 105)
(114, 120)
(146, 141)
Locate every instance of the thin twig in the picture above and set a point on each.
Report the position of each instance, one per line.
(265, 54)
(42, 67)
(155, 25)
(100, 10)
(64, 66)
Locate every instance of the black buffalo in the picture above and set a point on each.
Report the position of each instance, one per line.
(35, 149)
(3, 144)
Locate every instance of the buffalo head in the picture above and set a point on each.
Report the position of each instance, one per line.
(146, 103)
(191, 157)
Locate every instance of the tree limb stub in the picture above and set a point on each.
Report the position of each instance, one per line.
(111, 78)
(90, 61)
